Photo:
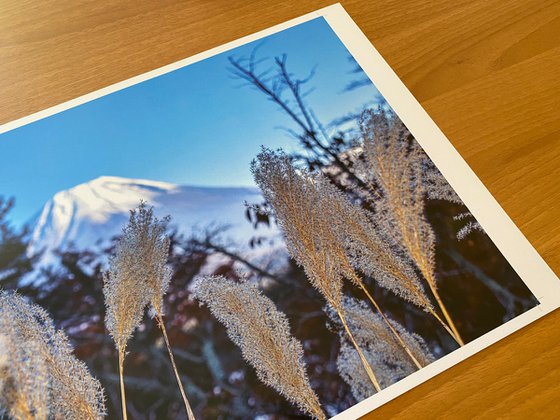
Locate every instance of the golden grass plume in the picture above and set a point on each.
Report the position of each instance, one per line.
(395, 163)
(40, 377)
(263, 334)
(138, 275)
(310, 239)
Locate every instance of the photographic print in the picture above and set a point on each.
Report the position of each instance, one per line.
(273, 229)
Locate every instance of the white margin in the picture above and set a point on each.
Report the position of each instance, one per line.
(525, 260)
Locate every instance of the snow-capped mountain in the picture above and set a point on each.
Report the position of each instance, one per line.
(89, 215)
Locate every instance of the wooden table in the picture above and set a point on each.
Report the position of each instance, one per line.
(488, 72)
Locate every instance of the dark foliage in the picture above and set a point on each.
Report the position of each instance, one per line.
(14, 262)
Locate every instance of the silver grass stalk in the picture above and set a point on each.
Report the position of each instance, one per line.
(146, 234)
(366, 249)
(362, 248)
(40, 377)
(293, 198)
(126, 297)
(388, 358)
(339, 235)
(309, 238)
(141, 260)
(263, 334)
(395, 164)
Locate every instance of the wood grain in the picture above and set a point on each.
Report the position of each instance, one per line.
(486, 71)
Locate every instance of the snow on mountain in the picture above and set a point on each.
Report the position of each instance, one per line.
(89, 215)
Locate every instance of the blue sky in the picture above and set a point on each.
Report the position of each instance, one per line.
(194, 126)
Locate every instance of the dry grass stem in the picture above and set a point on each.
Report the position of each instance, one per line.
(140, 262)
(309, 238)
(126, 296)
(364, 249)
(188, 408)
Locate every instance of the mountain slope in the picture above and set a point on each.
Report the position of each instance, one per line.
(88, 216)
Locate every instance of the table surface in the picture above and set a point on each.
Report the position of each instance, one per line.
(486, 71)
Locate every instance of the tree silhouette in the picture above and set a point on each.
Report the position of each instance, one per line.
(14, 262)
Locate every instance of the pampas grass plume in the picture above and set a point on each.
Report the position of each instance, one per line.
(263, 334)
(40, 378)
